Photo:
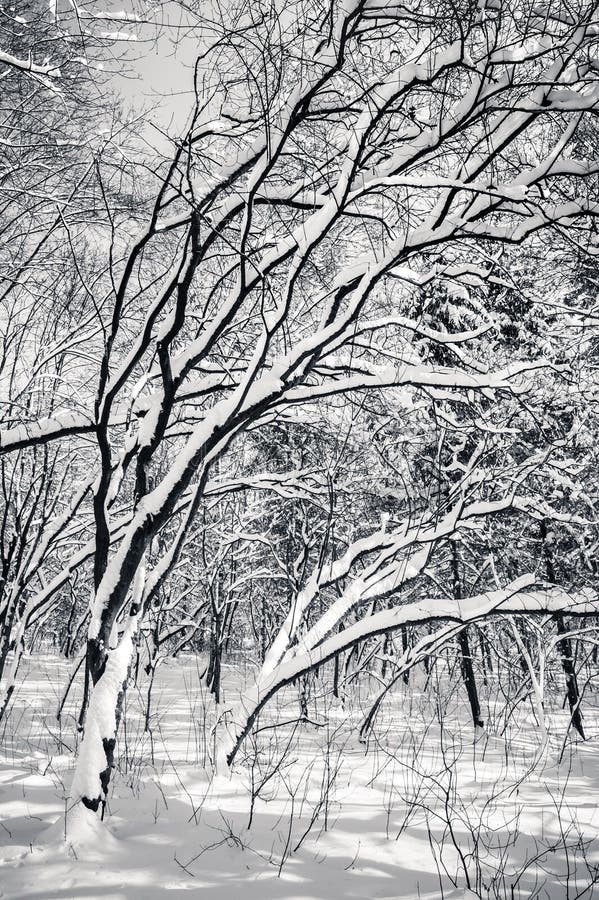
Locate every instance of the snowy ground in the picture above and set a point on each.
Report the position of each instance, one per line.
(423, 812)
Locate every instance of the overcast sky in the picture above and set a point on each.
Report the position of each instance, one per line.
(158, 77)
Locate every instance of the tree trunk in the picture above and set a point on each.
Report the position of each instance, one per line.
(404, 647)
(466, 662)
(564, 645)
(469, 679)
(108, 673)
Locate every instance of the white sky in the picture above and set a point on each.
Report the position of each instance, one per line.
(157, 75)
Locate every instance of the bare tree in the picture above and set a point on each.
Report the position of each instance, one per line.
(337, 159)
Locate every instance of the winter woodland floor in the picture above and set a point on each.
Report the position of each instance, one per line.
(422, 812)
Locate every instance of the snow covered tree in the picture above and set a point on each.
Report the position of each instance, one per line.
(337, 160)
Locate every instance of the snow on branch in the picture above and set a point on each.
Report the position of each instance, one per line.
(27, 65)
(516, 598)
(44, 430)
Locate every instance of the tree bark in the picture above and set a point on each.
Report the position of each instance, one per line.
(564, 645)
(467, 668)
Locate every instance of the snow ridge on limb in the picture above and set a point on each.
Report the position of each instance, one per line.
(27, 65)
(516, 598)
(44, 430)
(389, 569)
